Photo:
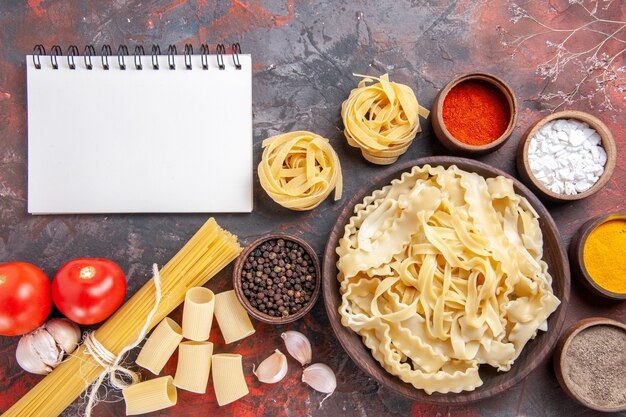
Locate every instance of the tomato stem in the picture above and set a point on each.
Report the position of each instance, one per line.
(3, 279)
(87, 272)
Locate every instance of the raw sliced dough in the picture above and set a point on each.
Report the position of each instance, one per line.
(381, 119)
(298, 170)
(442, 271)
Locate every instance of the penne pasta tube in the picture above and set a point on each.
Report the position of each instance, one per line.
(148, 396)
(160, 346)
(194, 366)
(228, 380)
(198, 313)
(231, 317)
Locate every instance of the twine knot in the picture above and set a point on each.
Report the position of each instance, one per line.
(119, 376)
(109, 363)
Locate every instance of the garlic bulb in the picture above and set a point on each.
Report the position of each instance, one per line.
(65, 333)
(29, 359)
(298, 346)
(273, 368)
(41, 350)
(320, 377)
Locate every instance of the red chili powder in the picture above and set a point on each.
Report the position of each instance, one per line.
(476, 112)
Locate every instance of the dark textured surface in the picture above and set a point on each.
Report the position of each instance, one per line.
(304, 54)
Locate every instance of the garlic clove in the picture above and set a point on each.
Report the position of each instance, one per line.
(320, 377)
(273, 368)
(28, 359)
(46, 347)
(65, 333)
(298, 346)
(43, 349)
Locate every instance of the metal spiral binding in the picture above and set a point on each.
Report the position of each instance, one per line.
(156, 51)
(105, 52)
(72, 51)
(89, 52)
(122, 51)
(204, 55)
(38, 50)
(139, 52)
(171, 53)
(188, 54)
(54, 52)
(235, 50)
(220, 50)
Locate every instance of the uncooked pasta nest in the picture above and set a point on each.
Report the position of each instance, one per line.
(381, 119)
(442, 271)
(298, 170)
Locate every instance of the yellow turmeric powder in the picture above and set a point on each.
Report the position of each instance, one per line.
(604, 255)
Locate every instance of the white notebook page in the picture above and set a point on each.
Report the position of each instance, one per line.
(139, 141)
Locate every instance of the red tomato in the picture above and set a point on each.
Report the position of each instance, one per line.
(24, 298)
(88, 290)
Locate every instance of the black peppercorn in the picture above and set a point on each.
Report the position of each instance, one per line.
(278, 278)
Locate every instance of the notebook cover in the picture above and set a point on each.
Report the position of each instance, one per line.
(139, 141)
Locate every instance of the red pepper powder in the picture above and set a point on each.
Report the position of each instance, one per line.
(476, 112)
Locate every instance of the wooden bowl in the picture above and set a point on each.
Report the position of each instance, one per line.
(608, 143)
(453, 144)
(560, 357)
(494, 382)
(266, 318)
(576, 248)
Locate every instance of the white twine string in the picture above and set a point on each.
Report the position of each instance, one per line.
(110, 363)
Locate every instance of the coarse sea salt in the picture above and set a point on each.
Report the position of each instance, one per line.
(566, 156)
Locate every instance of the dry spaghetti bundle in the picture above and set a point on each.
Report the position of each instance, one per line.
(381, 118)
(206, 253)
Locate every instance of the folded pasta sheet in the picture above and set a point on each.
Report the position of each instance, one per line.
(441, 271)
(206, 253)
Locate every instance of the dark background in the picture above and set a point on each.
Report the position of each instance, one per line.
(304, 54)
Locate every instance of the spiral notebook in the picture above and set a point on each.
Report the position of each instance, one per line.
(139, 133)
